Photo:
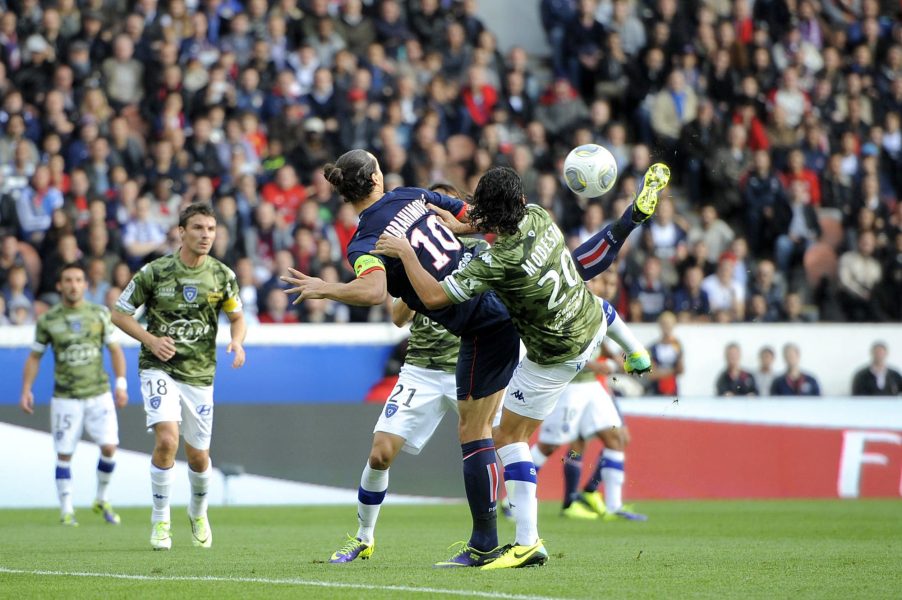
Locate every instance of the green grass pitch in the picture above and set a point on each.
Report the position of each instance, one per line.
(764, 549)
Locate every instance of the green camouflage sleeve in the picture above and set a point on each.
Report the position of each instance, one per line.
(136, 292)
(41, 337)
(479, 275)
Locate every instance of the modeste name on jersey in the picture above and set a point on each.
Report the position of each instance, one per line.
(543, 249)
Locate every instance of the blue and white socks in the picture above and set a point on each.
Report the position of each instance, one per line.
(573, 468)
(520, 481)
(612, 475)
(370, 495)
(105, 468)
(64, 486)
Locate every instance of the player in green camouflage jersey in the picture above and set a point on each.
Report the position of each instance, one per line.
(183, 294)
(78, 330)
(585, 411)
(559, 321)
(426, 390)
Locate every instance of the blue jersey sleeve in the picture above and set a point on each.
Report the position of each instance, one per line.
(360, 255)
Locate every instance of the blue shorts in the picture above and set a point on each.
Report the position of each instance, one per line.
(487, 360)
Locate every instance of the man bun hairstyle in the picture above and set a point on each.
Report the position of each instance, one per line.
(198, 208)
(498, 205)
(352, 175)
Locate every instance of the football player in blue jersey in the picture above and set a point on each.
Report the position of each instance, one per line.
(489, 345)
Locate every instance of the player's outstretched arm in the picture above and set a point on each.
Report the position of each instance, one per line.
(424, 284)
(238, 329)
(368, 290)
(458, 226)
(401, 314)
(117, 358)
(29, 373)
(161, 347)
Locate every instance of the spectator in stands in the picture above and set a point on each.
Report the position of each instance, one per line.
(726, 167)
(671, 109)
(763, 196)
(98, 281)
(277, 309)
(859, 274)
(667, 358)
(714, 232)
(801, 228)
(724, 293)
(734, 380)
(877, 379)
(286, 194)
(143, 236)
(794, 382)
(650, 291)
(35, 205)
(668, 237)
(690, 301)
(771, 287)
(764, 376)
(16, 290)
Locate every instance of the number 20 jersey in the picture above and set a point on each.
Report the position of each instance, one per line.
(403, 212)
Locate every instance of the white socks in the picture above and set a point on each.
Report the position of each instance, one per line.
(160, 484)
(105, 468)
(200, 482)
(373, 485)
(520, 482)
(621, 333)
(64, 486)
(612, 476)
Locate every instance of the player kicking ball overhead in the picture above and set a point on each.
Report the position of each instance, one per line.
(78, 331)
(489, 345)
(560, 322)
(183, 293)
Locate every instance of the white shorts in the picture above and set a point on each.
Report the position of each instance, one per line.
(417, 405)
(534, 389)
(69, 417)
(584, 409)
(168, 400)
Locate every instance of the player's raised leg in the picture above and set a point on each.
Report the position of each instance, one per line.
(598, 252)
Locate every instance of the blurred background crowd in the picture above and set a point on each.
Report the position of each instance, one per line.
(780, 118)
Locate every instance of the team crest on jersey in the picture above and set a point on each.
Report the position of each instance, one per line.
(75, 325)
(390, 409)
(190, 293)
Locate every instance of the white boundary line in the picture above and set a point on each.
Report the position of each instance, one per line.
(298, 582)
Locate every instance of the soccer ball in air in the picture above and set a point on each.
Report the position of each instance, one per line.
(590, 170)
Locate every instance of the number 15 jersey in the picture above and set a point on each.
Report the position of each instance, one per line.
(403, 212)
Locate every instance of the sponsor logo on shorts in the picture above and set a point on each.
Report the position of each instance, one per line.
(189, 292)
(60, 434)
(155, 402)
(390, 409)
(204, 410)
(519, 396)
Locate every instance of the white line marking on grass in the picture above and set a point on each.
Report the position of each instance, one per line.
(298, 582)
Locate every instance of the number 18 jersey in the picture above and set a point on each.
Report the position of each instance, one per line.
(403, 212)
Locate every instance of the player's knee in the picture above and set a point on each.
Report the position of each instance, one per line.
(547, 449)
(108, 451)
(611, 438)
(380, 459)
(167, 443)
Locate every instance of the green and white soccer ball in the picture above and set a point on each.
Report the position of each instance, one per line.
(590, 170)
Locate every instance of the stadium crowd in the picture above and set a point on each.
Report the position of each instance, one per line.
(781, 119)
